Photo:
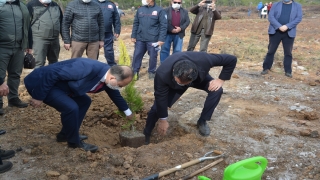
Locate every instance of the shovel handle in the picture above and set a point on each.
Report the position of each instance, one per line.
(179, 167)
(202, 169)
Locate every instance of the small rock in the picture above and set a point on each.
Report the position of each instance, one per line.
(189, 155)
(126, 165)
(25, 161)
(312, 84)
(88, 153)
(19, 149)
(63, 177)
(277, 99)
(236, 76)
(314, 134)
(305, 132)
(28, 151)
(52, 174)
(94, 164)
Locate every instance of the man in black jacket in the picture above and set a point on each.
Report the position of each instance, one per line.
(181, 71)
(178, 21)
(86, 21)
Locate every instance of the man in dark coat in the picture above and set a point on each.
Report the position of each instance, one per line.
(181, 71)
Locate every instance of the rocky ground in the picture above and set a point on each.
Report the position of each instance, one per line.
(271, 116)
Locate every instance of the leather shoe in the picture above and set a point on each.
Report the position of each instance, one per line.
(85, 146)
(204, 129)
(17, 103)
(147, 138)
(63, 138)
(6, 154)
(5, 166)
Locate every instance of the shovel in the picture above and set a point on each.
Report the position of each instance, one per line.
(187, 164)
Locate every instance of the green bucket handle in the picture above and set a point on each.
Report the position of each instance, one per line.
(251, 161)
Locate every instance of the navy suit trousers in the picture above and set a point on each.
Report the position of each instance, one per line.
(108, 48)
(141, 47)
(72, 109)
(287, 43)
(210, 104)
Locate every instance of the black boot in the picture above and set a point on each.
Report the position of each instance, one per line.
(5, 166)
(6, 154)
(17, 103)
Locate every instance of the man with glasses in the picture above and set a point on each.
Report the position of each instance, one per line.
(178, 21)
(179, 72)
(63, 87)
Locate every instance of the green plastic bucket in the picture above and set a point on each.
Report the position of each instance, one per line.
(248, 169)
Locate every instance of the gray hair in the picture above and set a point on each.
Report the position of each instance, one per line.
(185, 71)
(121, 72)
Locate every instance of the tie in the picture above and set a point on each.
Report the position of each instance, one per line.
(98, 87)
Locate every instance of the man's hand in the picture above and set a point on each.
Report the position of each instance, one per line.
(133, 40)
(67, 46)
(116, 35)
(202, 3)
(29, 51)
(160, 43)
(163, 126)
(215, 84)
(130, 117)
(35, 103)
(101, 44)
(178, 29)
(4, 89)
(283, 28)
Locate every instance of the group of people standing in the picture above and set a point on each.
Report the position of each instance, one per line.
(64, 85)
(264, 9)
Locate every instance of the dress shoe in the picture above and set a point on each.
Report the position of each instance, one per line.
(63, 138)
(5, 166)
(288, 75)
(85, 146)
(265, 71)
(16, 102)
(6, 154)
(204, 129)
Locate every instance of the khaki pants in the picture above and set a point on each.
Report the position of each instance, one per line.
(92, 49)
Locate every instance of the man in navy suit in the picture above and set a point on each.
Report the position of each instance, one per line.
(181, 71)
(64, 85)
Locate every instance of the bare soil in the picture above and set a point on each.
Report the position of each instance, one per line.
(271, 116)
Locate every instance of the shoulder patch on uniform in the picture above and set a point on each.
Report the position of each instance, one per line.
(155, 13)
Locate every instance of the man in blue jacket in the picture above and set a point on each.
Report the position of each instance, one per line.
(148, 33)
(284, 17)
(64, 85)
(112, 28)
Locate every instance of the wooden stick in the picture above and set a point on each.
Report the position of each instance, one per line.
(202, 169)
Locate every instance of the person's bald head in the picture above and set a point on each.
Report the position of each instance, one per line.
(122, 74)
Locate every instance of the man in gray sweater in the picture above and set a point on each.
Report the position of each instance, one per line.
(86, 21)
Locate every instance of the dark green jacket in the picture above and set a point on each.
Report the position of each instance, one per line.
(14, 25)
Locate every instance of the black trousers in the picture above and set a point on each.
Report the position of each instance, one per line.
(210, 104)
(287, 43)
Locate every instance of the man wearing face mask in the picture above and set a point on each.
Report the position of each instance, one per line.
(46, 20)
(64, 85)
(284, 16)
(85, 19)
(179, 72)
(148, 33)
(178, 21)
(14, 40)
(112, 28)
(203, 24)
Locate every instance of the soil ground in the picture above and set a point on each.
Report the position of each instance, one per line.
(271, 116)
